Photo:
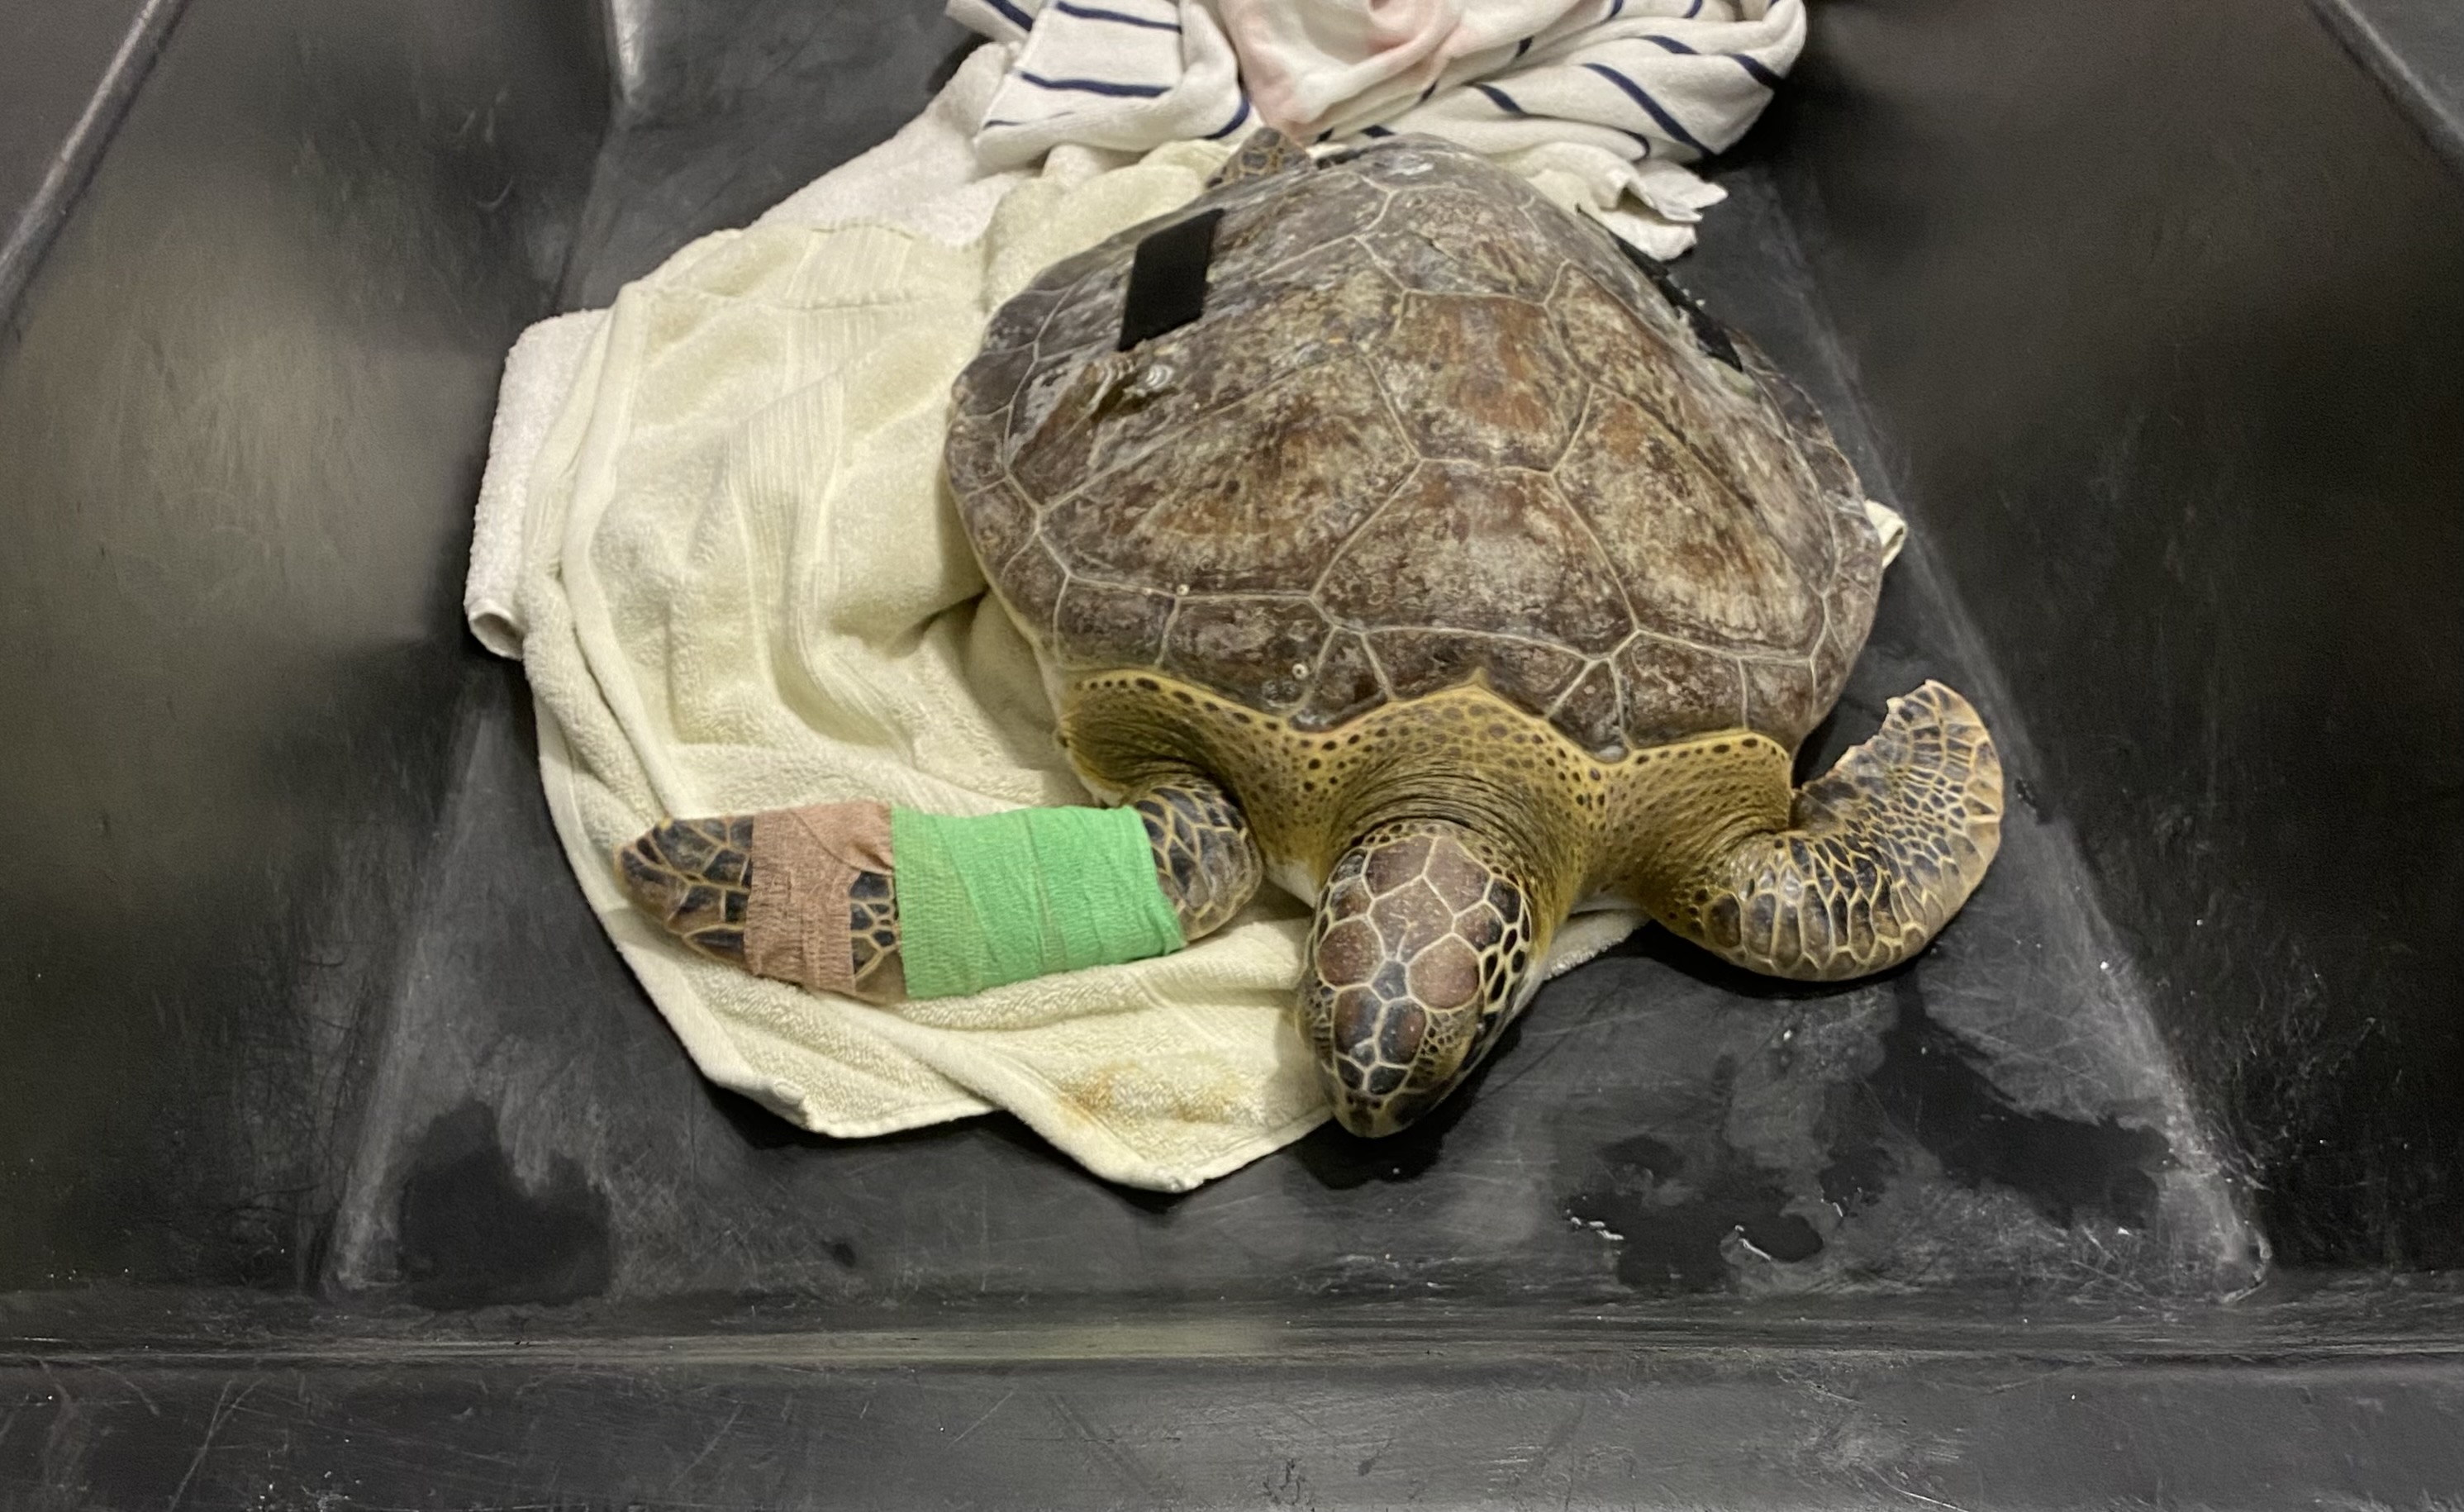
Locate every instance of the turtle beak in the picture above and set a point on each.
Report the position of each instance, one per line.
(1372, 1094)
(1376, 1117)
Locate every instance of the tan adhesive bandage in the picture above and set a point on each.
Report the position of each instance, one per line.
(805, 861)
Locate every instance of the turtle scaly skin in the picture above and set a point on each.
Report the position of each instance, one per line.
(695, 876)
(1452, 570)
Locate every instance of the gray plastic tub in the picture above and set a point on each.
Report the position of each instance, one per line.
(342, 1162)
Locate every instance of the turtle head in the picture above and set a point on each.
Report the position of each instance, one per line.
(1424, 949)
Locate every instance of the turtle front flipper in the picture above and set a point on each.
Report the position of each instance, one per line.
(1881, 851)
(810, 895)
(800, 894)
(1423, 950)
(1205, 862)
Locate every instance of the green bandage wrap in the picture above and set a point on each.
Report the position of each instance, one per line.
(1003, 897)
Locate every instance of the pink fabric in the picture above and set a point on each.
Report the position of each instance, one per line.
(1303, 63)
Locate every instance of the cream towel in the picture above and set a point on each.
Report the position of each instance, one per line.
(539, 372)
(744, 587)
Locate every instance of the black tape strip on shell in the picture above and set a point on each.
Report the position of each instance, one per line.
(1709, 334)
(1168, 279)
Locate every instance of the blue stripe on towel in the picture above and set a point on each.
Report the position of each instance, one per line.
(1232, 125)
(1096, 86)
(1651, 107)
(1761, 76)
(1754, 67)
(1500, 99)
(1012, 13)
(1121, 17)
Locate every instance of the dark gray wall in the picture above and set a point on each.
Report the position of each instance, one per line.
(2159, 312)
(243, 404)
(726, 107)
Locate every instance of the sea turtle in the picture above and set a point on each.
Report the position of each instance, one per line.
(1387, 530)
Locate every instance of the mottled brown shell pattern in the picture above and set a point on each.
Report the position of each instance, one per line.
(1430, 429)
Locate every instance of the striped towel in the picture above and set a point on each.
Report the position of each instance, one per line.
(1600, 102)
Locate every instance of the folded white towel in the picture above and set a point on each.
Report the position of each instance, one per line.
(743, 587)
(1600, 102)
(539, 371)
